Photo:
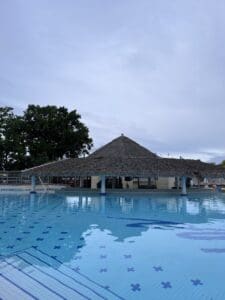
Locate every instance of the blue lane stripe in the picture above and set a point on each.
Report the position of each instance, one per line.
(82, 275)
(42, 284)
(26, 261)
(19, 287)
(77, 281)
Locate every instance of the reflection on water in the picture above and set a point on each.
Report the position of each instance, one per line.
(27, 220)
(98, 235)
(191, 205)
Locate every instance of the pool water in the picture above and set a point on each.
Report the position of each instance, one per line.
(71, 246)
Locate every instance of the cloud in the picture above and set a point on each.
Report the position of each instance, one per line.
(153, 70)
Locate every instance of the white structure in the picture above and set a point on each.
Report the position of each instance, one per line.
(33, 184)
(103, 185)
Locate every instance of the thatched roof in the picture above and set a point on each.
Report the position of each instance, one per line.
(124, 157)
(123, 147)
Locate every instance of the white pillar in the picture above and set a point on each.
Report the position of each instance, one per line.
(33, 184)
(206, 182)
(103, 185)
(184, 188)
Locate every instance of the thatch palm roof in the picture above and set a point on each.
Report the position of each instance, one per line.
(123, 147)
(124, 157)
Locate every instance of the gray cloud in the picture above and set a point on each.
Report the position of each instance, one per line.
(154, 70)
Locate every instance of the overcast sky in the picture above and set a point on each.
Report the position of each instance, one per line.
(151, 69)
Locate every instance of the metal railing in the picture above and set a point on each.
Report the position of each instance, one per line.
(14, 178)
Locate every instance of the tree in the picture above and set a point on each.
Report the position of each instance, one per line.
(223, 164)
(12, 143)
(53, 133)
(5, 114)
(40, 135)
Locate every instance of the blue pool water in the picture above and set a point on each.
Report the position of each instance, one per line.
(67, 246)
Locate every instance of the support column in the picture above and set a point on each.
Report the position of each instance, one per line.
(149, 182)
(103, 185)
(206, 182)
(178, 182)
(184, 188)
(81, 182)
(33, 184)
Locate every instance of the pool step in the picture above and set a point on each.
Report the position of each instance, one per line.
(21, 282)
(34, 274)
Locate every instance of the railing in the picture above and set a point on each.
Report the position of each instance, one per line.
(14, 178)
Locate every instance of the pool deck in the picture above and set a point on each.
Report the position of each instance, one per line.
(64, 188)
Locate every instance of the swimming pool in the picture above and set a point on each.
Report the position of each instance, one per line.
(67, 246)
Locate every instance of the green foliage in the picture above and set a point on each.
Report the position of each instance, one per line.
(41, 135)
(12, 147)
(223, 164)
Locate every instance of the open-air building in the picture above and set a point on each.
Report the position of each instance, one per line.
(125, 164)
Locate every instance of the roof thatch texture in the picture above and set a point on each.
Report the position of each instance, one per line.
(124, 157)
(123, 147)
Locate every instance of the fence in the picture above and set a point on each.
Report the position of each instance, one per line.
(14, 178)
